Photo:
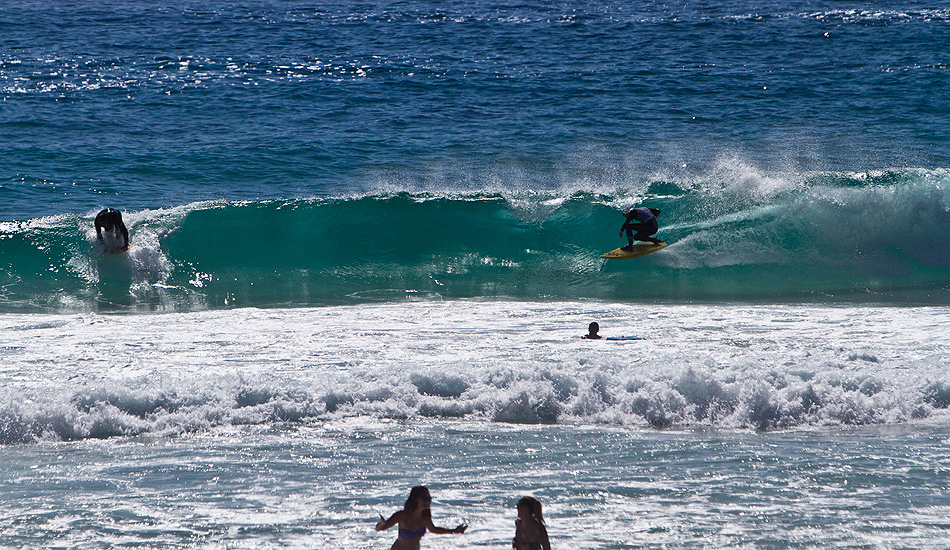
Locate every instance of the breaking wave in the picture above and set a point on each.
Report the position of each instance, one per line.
(735, 235)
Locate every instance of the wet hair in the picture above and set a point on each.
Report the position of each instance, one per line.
(656, 211)
(419, 492)
(593, 327)
(533, 505)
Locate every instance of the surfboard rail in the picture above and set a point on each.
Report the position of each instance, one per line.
(639, 249)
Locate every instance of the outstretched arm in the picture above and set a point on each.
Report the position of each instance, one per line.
(443, 531)
(384, 523)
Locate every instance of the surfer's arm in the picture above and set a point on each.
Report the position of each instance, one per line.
(125, 234)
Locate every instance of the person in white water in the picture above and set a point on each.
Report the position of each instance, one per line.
(592, 330)
(530, 530)
(110, 221)
(414, 520)
(640, 225)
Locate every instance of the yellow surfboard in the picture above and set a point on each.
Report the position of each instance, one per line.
(639, 249)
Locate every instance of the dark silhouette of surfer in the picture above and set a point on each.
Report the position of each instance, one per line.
(110, 221)
(640, 225)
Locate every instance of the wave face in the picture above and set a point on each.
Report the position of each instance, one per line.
(736, 235)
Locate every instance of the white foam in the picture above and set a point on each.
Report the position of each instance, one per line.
(68, 377)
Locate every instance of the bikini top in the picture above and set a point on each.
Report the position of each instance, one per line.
(411, 535)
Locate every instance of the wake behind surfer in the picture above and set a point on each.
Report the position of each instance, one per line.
(110, 221)
(640, 225)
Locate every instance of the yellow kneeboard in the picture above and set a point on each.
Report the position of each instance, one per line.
(639, 249)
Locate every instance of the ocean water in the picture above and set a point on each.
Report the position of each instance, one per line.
(365, 244)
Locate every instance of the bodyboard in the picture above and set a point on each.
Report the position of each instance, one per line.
(639, 249)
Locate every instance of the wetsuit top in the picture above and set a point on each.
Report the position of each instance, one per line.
(642, 215)
(411, 535)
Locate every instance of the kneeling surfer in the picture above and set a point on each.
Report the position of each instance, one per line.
(640, 225)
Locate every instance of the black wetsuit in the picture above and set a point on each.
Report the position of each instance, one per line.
(110, 220)
(646, 227)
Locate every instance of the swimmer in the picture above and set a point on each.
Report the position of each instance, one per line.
(414, 520)
(592, 332)
(530, 532)
(110, 220)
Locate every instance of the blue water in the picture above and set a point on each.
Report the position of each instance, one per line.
(135, 105)
(366, 238)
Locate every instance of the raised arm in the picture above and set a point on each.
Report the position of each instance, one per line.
(384, 523)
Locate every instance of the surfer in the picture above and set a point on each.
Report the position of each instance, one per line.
(640, 225)
(530, 532)
(414, 520)
(592, 332)
(110, 220)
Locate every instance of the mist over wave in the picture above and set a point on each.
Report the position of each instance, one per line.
(735, 234)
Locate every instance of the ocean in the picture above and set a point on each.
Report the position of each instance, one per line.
(366, 243)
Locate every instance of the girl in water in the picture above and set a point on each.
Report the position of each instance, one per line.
(414, 520)
(530, 532)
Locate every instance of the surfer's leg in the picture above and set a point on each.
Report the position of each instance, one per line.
(645, 232)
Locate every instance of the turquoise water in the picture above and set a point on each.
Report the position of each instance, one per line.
(743, 236)
(365, 244)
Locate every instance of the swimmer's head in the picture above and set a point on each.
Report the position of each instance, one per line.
(419, 495)
(531, 507)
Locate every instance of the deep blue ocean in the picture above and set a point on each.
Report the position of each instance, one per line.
(365, 244)
(326, 153)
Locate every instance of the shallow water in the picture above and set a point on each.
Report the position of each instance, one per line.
(322, 485)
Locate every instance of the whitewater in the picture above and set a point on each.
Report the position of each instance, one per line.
(365, 245)
(792, 426)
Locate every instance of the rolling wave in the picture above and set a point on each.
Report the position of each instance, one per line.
(735, 236)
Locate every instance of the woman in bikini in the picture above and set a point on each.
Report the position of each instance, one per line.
(530, 532)
(414, 520)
